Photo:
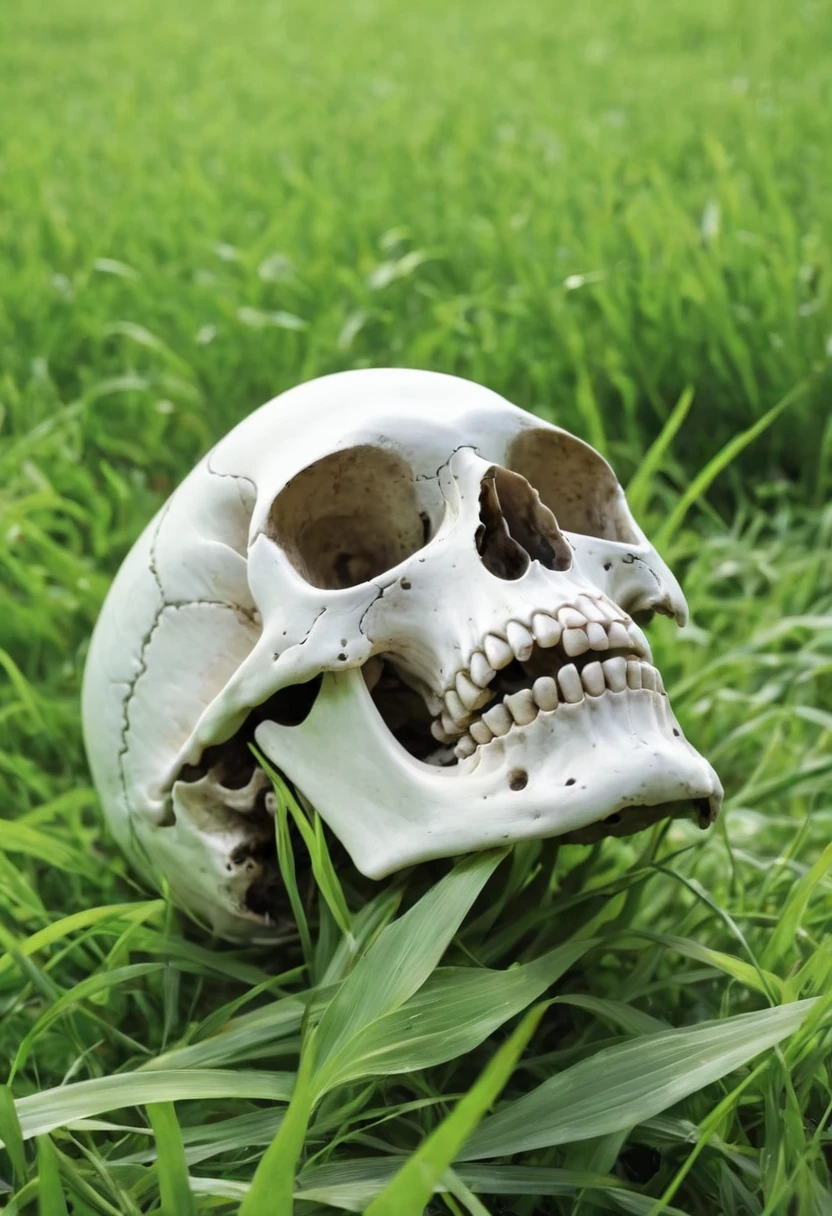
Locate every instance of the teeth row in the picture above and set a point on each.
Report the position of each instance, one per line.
(588, 625)
(570, 686)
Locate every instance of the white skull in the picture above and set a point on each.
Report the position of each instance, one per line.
(418, 601)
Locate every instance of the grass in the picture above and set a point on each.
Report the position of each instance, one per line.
(618, 216)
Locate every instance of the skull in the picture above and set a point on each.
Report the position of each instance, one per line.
(420, 603)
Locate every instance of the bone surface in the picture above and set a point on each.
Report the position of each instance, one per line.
(404, 590)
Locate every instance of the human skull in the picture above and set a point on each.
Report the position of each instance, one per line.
(418, 601)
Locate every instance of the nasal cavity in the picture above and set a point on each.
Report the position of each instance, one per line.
(516, 528)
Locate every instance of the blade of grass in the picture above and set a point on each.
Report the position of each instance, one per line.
(174, 1184)
(720, 461)
(11, 1135)
(272, 1186)
(412, 1188)
(81, 920)
(51, 1108)
(455, 1010)
(638, 488)
(316, 846)
(51, 1199)
(397, 963)
(621, 1086)
(791, 915)
(93, 986)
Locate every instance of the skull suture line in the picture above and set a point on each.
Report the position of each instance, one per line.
(418, 600)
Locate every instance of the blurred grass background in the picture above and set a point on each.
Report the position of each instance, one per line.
(589, 208)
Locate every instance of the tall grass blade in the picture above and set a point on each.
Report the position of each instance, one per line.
(720, 461)
(396, 965)
(272, 1187)
(43, 1112)
(455, 1010)
(621, 1086)
(11, 1134)
(174, 1185)
(51, 1198)
(639, 486)
(412, 1188)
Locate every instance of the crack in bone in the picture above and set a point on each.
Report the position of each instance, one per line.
(132, 685)
(142, 667)
(236, 477)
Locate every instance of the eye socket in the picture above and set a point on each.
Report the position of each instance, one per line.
(349, 517)
(575, 483)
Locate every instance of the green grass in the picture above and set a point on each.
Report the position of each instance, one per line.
(620, 216)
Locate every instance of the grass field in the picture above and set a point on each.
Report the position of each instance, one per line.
(598, 210)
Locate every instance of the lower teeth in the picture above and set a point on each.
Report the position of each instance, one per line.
(520, 708)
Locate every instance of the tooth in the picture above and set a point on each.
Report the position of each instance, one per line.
(545, 692)
(482, 672)
(498, 719)
(497, 651)
(590, 609)
(465, 748)
(570, 619)
(635, 641)
(481, 732)
(648, 677)
(546, 629)
(615, 673)
(519, 639)
(597, 635)
(440, 734)
(456, 709)
(659, 682)
(608, 611)
(521, 706)
(450, 727)
(592, 678)
(575, 642)
(570, 683)
(618, 636)
(633, 673)
(470, 695)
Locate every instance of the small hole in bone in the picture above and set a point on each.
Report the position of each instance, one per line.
(676, 733)
(516, 528)
(570, 781)
(608, 565)
(518, 779)
(405, 584)
(342, 657)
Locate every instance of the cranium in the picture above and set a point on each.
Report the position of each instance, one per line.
(418, 600)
